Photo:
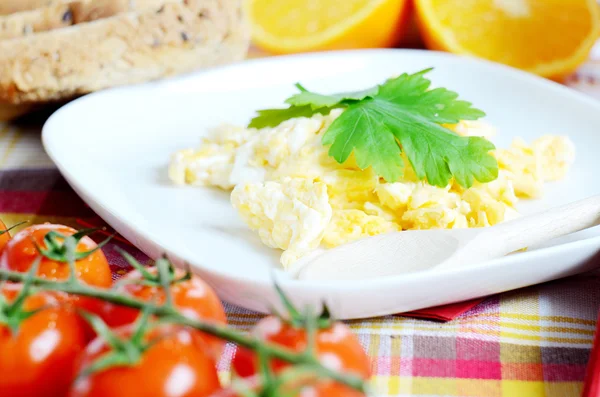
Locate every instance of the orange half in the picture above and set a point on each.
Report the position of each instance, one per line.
(292, 26)
(547, 37)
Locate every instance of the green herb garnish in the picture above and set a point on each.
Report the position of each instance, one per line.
(402, 114)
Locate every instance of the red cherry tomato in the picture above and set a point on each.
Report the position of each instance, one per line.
(178, 364)
(336, 347)
(39, 358)
(20, 253)
(194, 298)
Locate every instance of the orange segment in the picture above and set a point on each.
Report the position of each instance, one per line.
(289, 26)
(547, 37)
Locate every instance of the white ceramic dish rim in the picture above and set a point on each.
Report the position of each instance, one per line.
(355, 285)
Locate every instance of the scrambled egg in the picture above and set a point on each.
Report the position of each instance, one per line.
(288, 189)
(291, 214)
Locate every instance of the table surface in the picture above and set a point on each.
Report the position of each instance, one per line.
(531, 342)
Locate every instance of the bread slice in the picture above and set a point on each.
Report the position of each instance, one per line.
(127, 48)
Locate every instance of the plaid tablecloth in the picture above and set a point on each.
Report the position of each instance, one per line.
(533, 342)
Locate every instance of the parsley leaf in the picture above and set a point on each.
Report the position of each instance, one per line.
(274, 117)
(402, 114)
(364, 138)
(317, 101)
(305, 104)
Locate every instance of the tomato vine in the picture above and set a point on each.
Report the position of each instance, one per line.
(305, 363)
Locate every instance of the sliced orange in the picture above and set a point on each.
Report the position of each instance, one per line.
(290, 26)
(547, 37)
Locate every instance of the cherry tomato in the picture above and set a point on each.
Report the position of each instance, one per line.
(39, 359)
(20, 253)
(178, 364)
(336, 347)
(5, 236)
(194, 298)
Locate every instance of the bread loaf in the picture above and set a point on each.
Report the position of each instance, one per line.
(124, 48)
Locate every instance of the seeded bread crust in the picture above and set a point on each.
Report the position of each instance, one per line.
(127, 48)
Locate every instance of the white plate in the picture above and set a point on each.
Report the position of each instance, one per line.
(113, 148)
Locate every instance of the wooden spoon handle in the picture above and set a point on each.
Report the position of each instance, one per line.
(555, 222)
(529, 230)
(510, 236)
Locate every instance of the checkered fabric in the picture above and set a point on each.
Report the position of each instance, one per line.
(533, 342)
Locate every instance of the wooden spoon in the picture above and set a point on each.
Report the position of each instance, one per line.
(400, 252)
